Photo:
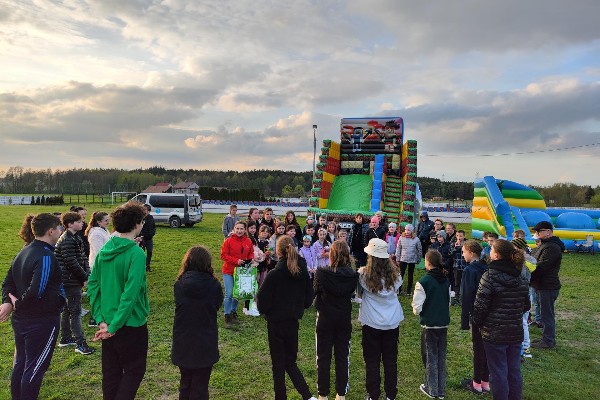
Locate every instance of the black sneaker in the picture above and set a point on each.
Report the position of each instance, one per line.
(425, 392)
(67, 342)
(84, 349)
(148, 269)
(92, 323)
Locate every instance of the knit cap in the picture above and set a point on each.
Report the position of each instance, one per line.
(442, 233)
(520, 243)
(409, 228)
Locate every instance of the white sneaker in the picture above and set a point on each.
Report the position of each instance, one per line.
(357, 300)
(452, 293)
(245, 311)
(84, 312)
(253, 313)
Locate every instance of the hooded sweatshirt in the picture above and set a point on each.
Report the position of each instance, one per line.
(283, 296)
(117, 287)
(431, 300)
(380, 310)
(424, 228)
(333, 291)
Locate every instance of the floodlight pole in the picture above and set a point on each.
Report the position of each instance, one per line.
(314, 148)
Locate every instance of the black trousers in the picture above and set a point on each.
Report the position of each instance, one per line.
(480, 366)
(193, 384)
(411, 273)
(333, 336)
(380, 346)
(124, 362)
(283, 346)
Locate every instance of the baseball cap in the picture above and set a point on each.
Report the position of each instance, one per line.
(543, 225)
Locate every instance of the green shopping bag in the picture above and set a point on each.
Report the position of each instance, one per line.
(245, 284)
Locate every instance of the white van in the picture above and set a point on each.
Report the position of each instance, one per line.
(173, 208)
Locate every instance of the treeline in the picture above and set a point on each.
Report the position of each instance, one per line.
(235, 185)
(269, 183)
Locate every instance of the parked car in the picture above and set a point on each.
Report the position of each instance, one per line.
(173, 208)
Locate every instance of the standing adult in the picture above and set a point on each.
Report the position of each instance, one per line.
(424, 228)
(502, 298)
(118, 295)
(544, 279)
(147, 235)
(33, 287)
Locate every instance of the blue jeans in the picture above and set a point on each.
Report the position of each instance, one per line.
(547, 299)
(535, 303)
(504, 362)
(229, 304)
(35, 339)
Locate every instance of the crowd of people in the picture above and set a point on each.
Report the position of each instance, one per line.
(317, 264)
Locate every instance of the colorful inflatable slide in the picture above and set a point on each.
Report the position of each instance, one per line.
(503, 206)
(370, 169)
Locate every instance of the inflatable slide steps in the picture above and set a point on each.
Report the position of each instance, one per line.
(392, 197)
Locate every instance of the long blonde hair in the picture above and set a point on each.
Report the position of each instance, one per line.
(286, 248)
(380, 273)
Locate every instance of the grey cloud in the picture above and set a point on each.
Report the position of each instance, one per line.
(468, 25)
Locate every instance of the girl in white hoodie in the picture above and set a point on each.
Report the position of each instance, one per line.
(381, 314)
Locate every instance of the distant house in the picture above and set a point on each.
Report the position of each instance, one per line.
(186, 187)
(161, 187)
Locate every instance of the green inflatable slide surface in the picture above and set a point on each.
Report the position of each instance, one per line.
(351, 192)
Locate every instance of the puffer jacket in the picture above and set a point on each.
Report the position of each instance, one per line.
(549, 256)
(70, 253)
(501, 300)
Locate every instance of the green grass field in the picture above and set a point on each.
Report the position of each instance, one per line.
(244, 372)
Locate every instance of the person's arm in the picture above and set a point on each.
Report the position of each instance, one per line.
(264, 296)
(218, 298)
(419, 297)
(308, 289)
(70, 253)
(398, 253)
(547, 259)
(466, 298)
(152, 228)
(483, 300)
(226, 256)
(419, 250)
(94, 294)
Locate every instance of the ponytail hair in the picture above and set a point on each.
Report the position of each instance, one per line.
(287, 249)
(96, 217)
(26, 233)
(507, 251)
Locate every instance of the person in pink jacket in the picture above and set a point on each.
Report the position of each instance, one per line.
(236, 250)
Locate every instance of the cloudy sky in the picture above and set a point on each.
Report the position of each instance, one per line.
(238, 84)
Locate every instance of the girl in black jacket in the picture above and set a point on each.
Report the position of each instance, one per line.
(282, 298)
(334, 286)
(501, 300)
(198, 296)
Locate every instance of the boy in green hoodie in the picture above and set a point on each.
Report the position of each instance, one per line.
(118, 296)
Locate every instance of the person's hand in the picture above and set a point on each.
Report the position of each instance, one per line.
(5, 310)
(13, 300)
(240, 261)
(361, 270)
(102, 332)
(85, 283)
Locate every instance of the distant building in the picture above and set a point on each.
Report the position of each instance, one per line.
(186, 187)
(161, 187)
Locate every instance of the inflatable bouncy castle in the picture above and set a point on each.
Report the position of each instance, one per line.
(368, 170)
(503, 206)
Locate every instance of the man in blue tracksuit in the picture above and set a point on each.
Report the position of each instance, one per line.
(33, 287)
